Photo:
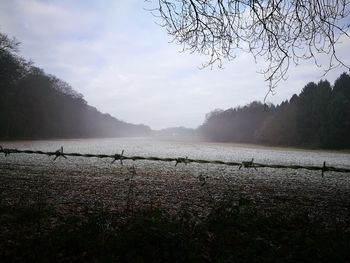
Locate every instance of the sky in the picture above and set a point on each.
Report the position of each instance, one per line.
(123, 62)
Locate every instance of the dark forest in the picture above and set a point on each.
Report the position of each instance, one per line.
(34, 104)
(319, 117)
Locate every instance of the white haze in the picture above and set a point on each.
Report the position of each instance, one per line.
(115, 54)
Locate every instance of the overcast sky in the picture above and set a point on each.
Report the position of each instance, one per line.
(115, 54)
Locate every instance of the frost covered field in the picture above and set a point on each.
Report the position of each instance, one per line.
(88, 209)
(29, 178)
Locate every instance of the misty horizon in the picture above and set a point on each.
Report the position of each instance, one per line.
(174, 131)
(105, 52)
(36, 104)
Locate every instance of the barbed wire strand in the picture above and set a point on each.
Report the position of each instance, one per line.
(121, 157)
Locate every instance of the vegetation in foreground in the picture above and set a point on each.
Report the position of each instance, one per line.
(235, 231)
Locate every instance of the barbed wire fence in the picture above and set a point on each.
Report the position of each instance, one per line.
(121, 157)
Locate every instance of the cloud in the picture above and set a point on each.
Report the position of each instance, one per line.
(123, 63)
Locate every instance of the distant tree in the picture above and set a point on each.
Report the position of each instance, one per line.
(280, 128)
(338, 114)
(12, 68)
(280, 31)
(34, 104)
(312, 113)
(239, 124)
(318, 117)
(8, 44)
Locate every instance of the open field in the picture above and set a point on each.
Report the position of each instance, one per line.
(80, 209)
(163, 185)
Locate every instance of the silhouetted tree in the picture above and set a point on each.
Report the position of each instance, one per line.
(280, 31)
(312, 112)
(338, 114)
(238, 124)
(34, 104)
(318, 117)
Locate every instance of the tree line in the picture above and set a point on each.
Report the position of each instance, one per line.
(319, 117)
(34, 104)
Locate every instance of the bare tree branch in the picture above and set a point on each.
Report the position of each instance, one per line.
(279, 31)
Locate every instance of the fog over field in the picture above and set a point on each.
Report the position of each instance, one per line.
(174, 131)
(120, 59)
